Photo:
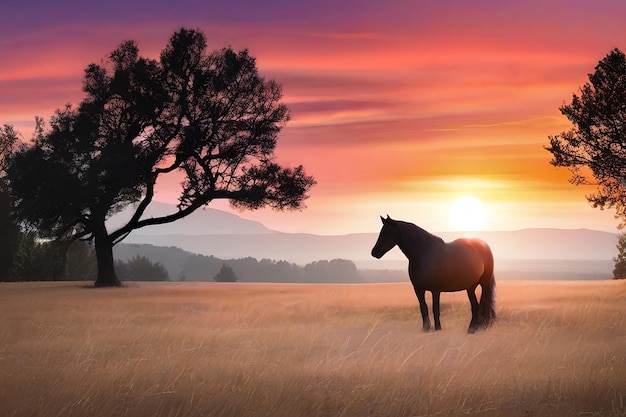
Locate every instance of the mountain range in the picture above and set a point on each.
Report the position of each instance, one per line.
(228, 236)
(204, 221)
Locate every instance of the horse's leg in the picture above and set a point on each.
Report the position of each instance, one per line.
(471, 294)
(421, 297)
(436, 296)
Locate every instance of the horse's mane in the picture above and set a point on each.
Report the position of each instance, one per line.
(417, 236)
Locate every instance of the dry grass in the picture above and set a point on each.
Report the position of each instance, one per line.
(559, 349)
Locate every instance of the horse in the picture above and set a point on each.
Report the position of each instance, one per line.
(437, 266)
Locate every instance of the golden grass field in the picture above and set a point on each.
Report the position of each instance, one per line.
(208, 349)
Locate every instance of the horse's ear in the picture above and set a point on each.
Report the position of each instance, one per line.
(382, 219)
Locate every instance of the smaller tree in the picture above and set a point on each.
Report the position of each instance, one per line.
(226, 274)
(620, 261)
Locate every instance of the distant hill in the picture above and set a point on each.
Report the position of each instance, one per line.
(297, 248)
(205, 221)
(544, 244)
(210, 232)
(177, 263)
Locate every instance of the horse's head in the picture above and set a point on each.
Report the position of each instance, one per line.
(387, 239)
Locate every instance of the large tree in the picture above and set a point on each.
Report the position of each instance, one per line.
(594, 150)
(208, 117)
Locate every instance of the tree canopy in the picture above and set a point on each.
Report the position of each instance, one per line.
(208, 117)
(594, 150)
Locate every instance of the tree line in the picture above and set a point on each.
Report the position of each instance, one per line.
(27, 257)
(248, 269)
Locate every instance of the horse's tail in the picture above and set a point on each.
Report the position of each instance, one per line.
(487, 305)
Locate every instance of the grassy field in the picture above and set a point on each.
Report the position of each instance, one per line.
(558, 349)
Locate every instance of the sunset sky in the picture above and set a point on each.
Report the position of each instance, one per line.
(398, 107)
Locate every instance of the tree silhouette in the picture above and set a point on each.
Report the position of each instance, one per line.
(208, 117)
(596, 146)
(226, 274)
(619, 272)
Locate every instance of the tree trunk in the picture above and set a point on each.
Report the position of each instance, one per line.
(104, 256)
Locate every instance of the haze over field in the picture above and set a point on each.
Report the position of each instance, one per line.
(529, 253)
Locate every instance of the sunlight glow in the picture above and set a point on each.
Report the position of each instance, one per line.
(467, 213)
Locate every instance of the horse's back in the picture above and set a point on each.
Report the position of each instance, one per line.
(460, 265)
(478, 250)
(476, 244)
(473, 247)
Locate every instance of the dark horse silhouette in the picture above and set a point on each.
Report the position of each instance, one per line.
(438, 267)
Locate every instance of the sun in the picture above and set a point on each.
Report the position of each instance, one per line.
(467, 213)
